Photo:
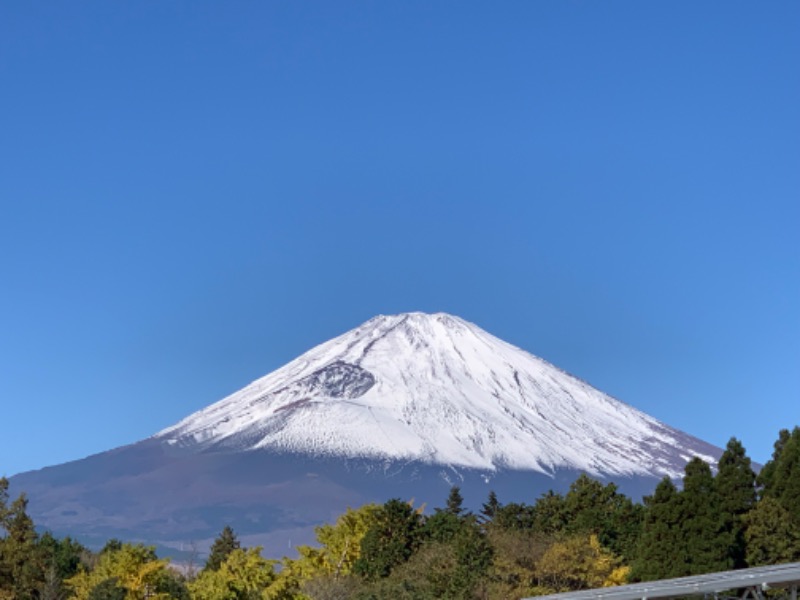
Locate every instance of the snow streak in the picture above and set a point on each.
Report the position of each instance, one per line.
(437, 389)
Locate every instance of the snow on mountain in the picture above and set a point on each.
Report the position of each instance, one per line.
(439, 390)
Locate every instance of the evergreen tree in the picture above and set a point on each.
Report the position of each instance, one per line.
(225, 543)
(702, 524)
(490, 507)
(445, 523)
(660, 551)
(21, 571)
(736, 492)
(514, 516)
(112, 545)
(474, 556)
(767, 475)
(3, 500)
(550, 513)
(442, 526)
(780, 477)
(593, 508)
(64, 554)
(60, 560)
(455, 501)
(684, 533)
(439, 569)
(772, 536)
(32, 566)
(392, 539)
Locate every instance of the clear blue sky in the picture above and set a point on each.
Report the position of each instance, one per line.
(194, 193)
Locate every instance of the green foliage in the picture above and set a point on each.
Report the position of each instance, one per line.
(771, 534)
(660, 551)
(515, 516)
(437, 570)
(684, 533)
(574, 541)
(780, 477)
(591, 508)
(455, 501)
(453, 555)
(21, 567)
(735, 480)
(767, 475)
(431, 573)
(735, 486)
(405, 556)
(446, 523)
(64, 555)
(60, 560)
(442, 526)
(549, 513)
(702, 524)
(112, 545)
(222, 547)
(474, 555)
(391, 540)
(490, 507)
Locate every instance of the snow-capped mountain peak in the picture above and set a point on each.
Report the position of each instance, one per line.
(437, 389)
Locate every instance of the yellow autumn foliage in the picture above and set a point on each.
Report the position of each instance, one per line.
(243, 574)
(134, 568)
(578, 563)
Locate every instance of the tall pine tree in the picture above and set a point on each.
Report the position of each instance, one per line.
(780, 477)
(455, 501)
(702, 525)
(661, 552)
(226, 543)
(767, 474)
(735, 486)
(490, 507)
(21, 571)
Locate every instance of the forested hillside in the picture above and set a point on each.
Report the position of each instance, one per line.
(589, 537)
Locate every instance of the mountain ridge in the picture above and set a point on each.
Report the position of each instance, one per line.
(381, 390)
(401, 406)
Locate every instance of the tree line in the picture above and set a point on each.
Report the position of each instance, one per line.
(591, 536)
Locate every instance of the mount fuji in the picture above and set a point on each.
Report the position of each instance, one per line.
(403, 405)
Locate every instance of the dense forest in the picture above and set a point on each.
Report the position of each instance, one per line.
(591, 536)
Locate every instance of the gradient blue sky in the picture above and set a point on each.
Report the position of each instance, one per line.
(194, 193)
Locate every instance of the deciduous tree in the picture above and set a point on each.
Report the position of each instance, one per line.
(243, 575)
(133, 568)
